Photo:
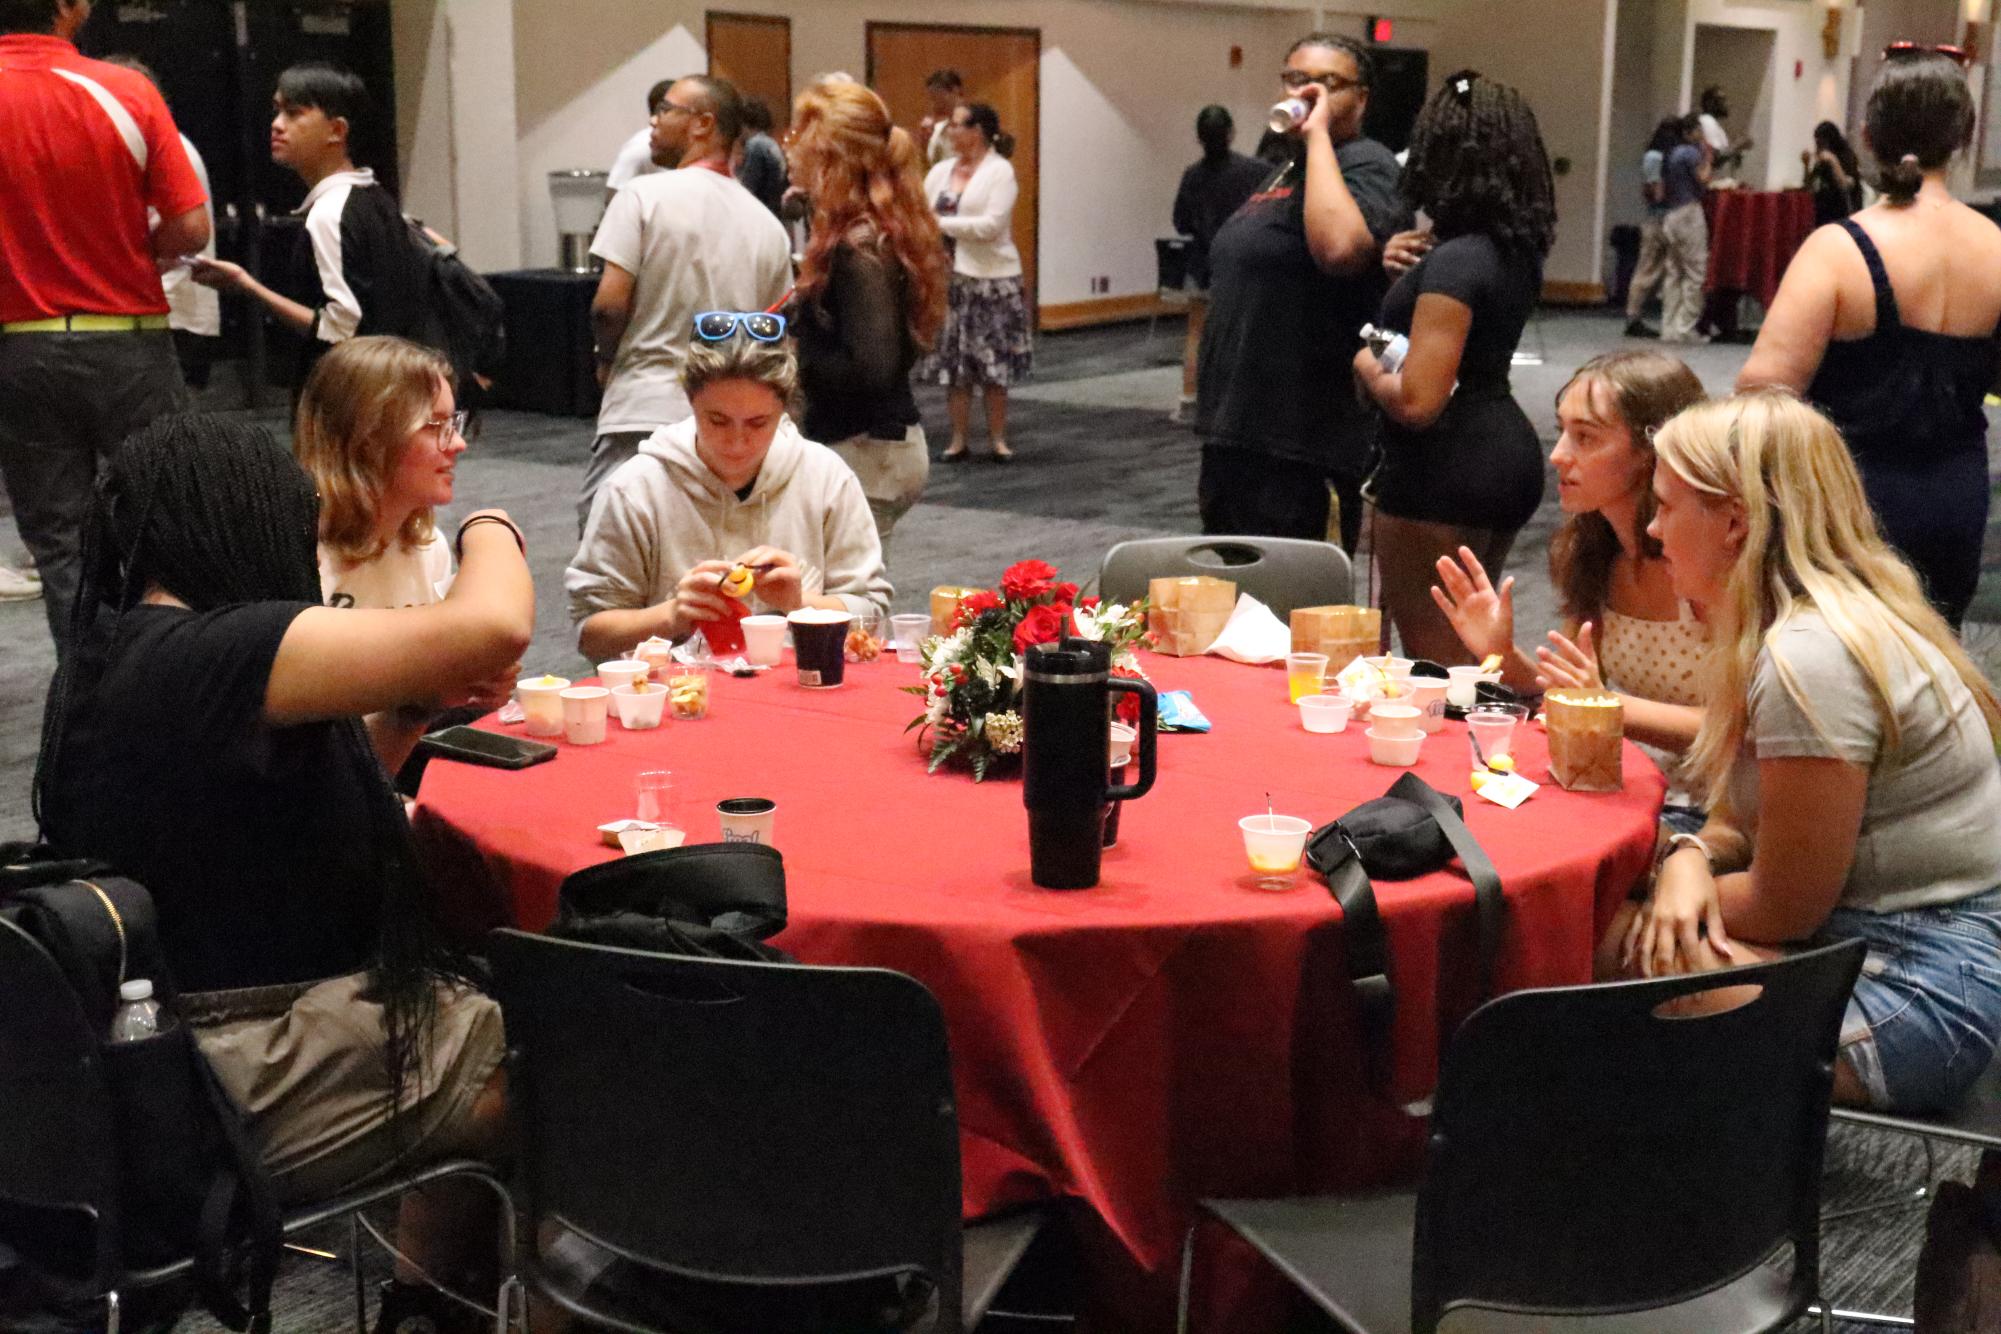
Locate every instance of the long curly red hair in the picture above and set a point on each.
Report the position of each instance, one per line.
(866, 179)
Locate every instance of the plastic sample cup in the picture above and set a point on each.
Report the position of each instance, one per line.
(542, 701)
(1490, 731)
(1396, 719)
(1305, 674)
(764, 639)
(1396, 669)
(1325, 713)
(747, 819)
(624, 672)
(1399, 751)
(585, 709)
(909, 630)
(688, 690)
(1123, 737)
(1275, 844)
(653, 792)
(819, 641)
(1462, 685)
(639, 706)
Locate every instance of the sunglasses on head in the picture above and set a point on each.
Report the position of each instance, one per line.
(713, 326)
(1898, 50)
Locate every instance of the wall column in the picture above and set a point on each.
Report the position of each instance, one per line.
(456, 124)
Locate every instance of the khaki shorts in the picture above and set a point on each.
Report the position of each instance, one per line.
(304, 1062)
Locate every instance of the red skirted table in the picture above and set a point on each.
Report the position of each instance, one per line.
(1173, 1033)
(1753, 235)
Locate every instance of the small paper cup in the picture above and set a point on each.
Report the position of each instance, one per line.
(1398, 751)
(764, 639)
(639, 706)
(624, 672)
(585, 709)
(1427, 695)
(747, 819)
(542, 703)
(1124, 736)
(1325, 713)
(1400, 720)
(1462, 686)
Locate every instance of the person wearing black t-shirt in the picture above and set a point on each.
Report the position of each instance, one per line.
(206, 738)
(1461, 465)
(1293, 276)
(1214, 187)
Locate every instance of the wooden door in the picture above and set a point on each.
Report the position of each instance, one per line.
(754, 52)
(1001, 67)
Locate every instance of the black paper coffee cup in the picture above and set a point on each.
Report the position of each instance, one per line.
(818, 638)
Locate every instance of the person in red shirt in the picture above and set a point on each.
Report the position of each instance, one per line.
(85, 356)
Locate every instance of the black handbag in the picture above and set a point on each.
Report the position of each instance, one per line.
(705, 900)
(1411, 830)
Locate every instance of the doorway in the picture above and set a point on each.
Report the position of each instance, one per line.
(1001, 67)
(754, 52)
(1739, 61)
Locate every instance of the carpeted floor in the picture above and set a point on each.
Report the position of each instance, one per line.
(1099, 462)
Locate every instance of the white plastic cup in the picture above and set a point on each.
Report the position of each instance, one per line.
(910, 630)
(1427, 695)
(1399, 751)
(624, 672)
(1396, 719)
(1396, 669)
(1462, 686)
(747, 819)
(1325, 713)
(542, 703)
(1124, 735)
(1489, 734)
(1275, 844)
(585, 709)
(639, 706)
(764, 639)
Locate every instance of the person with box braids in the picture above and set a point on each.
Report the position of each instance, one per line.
(206, 738)
(1460, 464)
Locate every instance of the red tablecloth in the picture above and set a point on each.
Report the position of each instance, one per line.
(1169, 1035)
(1753, 235)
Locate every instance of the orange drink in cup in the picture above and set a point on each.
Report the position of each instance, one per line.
(1305, 674)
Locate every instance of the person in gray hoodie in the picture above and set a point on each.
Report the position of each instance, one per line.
(736, 484)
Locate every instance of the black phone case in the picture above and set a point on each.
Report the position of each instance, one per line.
(524, 753)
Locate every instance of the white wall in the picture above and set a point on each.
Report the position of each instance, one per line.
(1819, 91)
(455, 123)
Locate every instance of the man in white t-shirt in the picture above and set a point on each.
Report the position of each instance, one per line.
(1727, 153)
(635, 155)
(685, 240)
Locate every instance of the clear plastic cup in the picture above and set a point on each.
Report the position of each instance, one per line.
(1305, 674)
(1490, 731)
(688, 691)
(653, 791)
(585, 709)
(1275, 844)
(909, 630)
(1325, 713)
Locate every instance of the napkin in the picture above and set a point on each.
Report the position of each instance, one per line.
(1253, 634)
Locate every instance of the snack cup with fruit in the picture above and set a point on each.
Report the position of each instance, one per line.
(688, 692)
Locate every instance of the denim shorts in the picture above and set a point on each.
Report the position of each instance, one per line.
(1922, 1022)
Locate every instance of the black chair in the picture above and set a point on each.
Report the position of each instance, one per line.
(1974, 1122)
(57, 1162)
(1281, 572)
(1170, 262)
(738, 1134)
(1595, 1164)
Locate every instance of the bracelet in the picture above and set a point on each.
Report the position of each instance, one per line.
(1676, 842)
(459, 542)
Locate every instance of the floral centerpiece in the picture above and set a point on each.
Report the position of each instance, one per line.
(972, 677)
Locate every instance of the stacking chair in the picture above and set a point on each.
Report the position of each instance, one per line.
(1170, 262)
(739, 1133)
(1597, 1163)
(57, 1150)
(1281, 572)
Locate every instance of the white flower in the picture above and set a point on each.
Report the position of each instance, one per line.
(935, 712)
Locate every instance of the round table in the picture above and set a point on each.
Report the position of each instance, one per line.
(1173, 1033)
(1753, 235)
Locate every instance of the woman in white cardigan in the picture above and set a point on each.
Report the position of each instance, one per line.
(985, 340)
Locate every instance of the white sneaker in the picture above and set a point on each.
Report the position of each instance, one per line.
(18, 587)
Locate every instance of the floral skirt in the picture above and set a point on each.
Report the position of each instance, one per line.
(986, 338)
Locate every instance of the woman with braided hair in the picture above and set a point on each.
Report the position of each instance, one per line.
(206, 739)
(1460, 465)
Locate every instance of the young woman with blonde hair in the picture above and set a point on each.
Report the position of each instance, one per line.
(1848, 751)
(871, 290)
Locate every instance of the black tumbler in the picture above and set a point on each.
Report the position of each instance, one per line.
(1067, 691)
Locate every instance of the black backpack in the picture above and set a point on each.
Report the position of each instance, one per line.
(465, 317)
(706, 901)
(185, 1181)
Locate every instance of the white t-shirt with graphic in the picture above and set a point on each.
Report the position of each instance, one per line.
(399, 577)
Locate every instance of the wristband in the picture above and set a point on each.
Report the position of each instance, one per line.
(1676, 842)
(459, 542)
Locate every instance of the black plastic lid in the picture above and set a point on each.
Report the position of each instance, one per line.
(1069, 657)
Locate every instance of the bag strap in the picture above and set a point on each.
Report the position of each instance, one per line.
(1489, 904)
(239, 1193)
(1367, 948)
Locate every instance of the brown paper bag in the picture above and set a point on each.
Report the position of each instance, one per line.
(945, 599)
(1343, 633)
(1585, 731)
(1186, 614)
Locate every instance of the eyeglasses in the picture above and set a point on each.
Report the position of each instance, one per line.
(1900, 50)
(448, 428)
(1293, 80)
(666, 107)
(712, 326)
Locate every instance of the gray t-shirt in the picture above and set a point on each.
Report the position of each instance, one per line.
(1930, 833)
(1651, 163)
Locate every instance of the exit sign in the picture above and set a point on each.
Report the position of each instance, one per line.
(1382, 30)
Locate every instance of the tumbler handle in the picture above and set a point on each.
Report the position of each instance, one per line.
(1149, 714)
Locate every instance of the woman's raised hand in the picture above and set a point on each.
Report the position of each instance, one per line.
(1482, 615)
(1568, 665)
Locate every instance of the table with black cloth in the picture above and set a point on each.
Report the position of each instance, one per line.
(1171, 1034)
(549, 366)
(1753, 235)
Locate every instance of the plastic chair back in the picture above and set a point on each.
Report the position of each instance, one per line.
(1281, 572)
(731, 1121)
(1170, 260)
(1590, 1155)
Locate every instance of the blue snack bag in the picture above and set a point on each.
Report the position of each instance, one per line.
(1179, 714)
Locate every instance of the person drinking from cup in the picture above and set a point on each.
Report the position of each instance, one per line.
(380, 433)
(1847, 752)
(735, 485)
(1624, 629)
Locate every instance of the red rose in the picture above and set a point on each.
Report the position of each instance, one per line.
(1091, 603)
(973, 604)
(1127, 710)
(1027, 579)
(1066, 591)
(1042, 625)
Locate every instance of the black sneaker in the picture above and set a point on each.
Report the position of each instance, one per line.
(414, 1308)
(1641, 329)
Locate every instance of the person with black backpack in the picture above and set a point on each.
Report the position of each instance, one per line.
(206, 739)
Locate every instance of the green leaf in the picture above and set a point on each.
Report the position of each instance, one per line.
(943, 751)
(980, 758)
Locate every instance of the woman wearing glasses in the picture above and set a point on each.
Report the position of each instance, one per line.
(736, 484)
(1887, 321)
